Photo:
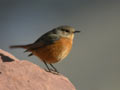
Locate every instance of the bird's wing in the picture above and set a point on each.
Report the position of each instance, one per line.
(44, 41)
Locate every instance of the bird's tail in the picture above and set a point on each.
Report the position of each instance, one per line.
(21, 46)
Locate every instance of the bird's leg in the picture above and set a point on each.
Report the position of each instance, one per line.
(54, 68)
(49, 70)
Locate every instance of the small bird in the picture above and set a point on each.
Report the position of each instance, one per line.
(52, 47)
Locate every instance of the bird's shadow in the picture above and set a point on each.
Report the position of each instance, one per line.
(6, 58)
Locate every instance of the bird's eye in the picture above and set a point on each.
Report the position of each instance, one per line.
(65, 30)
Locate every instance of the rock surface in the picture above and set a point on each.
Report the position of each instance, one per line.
(23, 75)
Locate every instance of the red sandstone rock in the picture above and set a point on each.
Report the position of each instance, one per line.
(24, 75)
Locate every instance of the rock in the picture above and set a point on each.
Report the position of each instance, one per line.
(23, 75)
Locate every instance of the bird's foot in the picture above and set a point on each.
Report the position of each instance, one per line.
(52, 71)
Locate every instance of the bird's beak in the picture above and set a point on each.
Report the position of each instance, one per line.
(76, 31)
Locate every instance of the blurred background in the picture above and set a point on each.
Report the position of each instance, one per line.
(94, 62)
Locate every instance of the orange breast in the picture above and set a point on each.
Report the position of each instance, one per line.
(55, 52)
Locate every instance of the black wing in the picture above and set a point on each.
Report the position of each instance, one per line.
(45, 40)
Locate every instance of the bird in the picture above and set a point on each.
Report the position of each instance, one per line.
(52, 47)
